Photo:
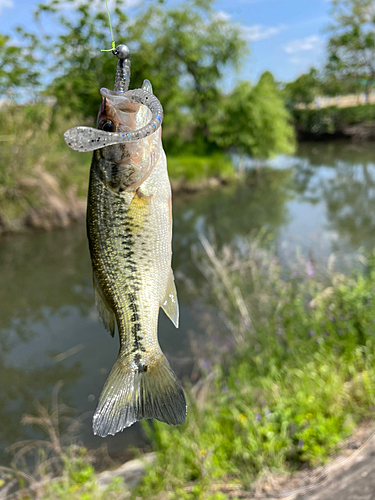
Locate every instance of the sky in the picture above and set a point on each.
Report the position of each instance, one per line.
(286, 37)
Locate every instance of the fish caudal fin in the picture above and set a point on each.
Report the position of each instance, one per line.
(130, 395)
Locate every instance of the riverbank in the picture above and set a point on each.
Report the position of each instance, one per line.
(285, 377)
(56, 209)
(354, 122)
(349, 473)
(43, 184)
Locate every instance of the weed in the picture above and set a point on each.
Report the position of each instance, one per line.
(293, 375)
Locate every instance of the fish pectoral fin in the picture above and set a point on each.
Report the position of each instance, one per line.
(143, 196)
(170, 301)
(105, 312)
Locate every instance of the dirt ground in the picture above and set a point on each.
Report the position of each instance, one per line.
(350, 476)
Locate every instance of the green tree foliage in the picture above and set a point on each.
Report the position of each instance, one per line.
(333, 85)
(304, 89)
(351, 47)
(17, 67)
(254, 120)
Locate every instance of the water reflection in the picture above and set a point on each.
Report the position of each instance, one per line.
(345, 183)
(260, 201)
(50, 331)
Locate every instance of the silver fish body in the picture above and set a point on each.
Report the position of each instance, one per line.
(129, 225)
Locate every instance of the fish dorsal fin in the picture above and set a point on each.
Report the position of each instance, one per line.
(147, 86)
(170, 302)
(105, 312)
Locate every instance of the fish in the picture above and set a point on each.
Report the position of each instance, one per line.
(129, 228)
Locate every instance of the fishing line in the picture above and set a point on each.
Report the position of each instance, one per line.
(110, 27)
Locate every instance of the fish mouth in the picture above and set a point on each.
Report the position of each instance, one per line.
(119, 102)
(89, 139)
(126, 114)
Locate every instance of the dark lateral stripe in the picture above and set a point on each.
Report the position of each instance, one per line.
(136, 328)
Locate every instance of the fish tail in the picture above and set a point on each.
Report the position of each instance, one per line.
(132, 393)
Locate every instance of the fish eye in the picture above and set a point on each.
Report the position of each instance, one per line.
(107, 125)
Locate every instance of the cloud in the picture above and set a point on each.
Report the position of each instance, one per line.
(96, 5)
(9, 4)
(259, 32)
(221, 15)
(313, 42)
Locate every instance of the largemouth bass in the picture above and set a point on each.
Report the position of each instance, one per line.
(129, 227)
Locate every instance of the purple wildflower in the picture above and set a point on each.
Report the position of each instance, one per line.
(224, 347)
(225, 389)
(245, 323)
(310, 269)
(207, 365)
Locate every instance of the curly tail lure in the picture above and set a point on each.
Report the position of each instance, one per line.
(88, 138)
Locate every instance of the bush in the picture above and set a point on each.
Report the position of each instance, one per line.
(332, 119)
(200, 167)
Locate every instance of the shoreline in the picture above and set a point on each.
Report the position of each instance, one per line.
(41, 203)
(59, 211)
(351, 469)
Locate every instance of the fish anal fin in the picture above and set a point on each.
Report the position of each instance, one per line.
(105, 312)
(170, 302)
(131, 393)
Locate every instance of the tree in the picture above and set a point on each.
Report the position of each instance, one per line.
(254, 120)
(17, 68)
(351, 47)
(304, 89)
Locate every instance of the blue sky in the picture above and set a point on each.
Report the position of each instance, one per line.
(285, 36)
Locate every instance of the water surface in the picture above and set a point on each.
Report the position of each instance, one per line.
(321, 200)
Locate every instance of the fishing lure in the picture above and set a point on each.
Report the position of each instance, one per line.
(89, 139)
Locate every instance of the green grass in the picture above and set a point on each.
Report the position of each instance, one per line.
(289, 390)
(197, 168)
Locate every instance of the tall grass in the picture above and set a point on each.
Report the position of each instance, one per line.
(35, 162)
(285, 379)
(55, 467)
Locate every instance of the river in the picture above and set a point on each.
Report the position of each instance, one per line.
(321, 200)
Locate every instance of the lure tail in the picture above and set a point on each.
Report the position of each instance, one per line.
(130, 395)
